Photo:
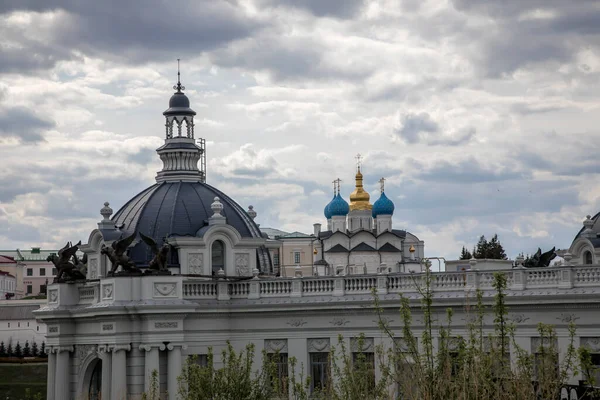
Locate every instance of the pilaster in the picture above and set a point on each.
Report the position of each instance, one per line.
(119, 371)
(51, 374)
(62, 384)
(174, 367)
(151, 363)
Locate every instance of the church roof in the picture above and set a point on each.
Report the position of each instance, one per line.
(396, 232)
(338, 248)
(389, 248)
(363, 247)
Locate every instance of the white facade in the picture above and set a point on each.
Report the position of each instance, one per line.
(18, 323)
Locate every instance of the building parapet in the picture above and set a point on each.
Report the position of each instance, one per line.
(184, 288)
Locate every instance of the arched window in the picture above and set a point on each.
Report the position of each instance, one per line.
(96, 382)
(587, 258)
(218, 256)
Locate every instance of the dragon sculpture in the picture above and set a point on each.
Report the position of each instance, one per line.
(64, 265)
(116, 253)
(159, 262)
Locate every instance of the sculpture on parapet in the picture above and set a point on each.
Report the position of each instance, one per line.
(539, 259)
(81, 265)
(116, 253)
(67, 271)
(158, 264)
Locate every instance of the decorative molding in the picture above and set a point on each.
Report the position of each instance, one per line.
(242, 266)
(93, 268)
(401, 345)
(120, 347)
(53, 296)
(368, 345)
(166, 325)
(296, 322)
(84, 350)
(172, 346)
(150, 346)
(60, 349)
(318, 345)
(518, 318)
(196, 263)
(276, 345)
(339, 321)
(53, 329)
(108, 327)
(165, 289)
(107, 291)
(592, 343)
(567, 318)
(536, 343)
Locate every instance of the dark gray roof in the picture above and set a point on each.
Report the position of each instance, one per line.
(595, 242)
(177, 209)
(179, 104)
(397, 232)
(389, 248)
(21, 312)
(363, 247)
(321, 262)
(338, 248)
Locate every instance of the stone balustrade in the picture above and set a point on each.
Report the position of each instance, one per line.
(109, 290)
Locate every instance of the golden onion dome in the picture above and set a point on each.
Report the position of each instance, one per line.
(359, 199)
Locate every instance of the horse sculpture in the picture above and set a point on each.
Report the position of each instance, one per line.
(63, 263)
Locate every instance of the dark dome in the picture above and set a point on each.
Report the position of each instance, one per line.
(179, 104)
(177, 209)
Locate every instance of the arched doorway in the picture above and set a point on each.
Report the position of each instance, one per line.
(94, 390)
(218, 256)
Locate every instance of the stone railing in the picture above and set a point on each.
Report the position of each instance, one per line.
(110, 290)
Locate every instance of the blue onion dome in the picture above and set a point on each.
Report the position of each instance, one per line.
(339, 206)
(383, 206)
(326, 211)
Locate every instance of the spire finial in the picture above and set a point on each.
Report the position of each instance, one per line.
(334, 188)
(358, 161)
(336, 184)
(382, 184)
(179, 87)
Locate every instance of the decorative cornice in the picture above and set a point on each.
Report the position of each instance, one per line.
(172, 346)
(118, 347)
(60, 349)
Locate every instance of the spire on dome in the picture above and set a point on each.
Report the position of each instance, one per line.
(359, 199)
(179, 87)
(382, 184)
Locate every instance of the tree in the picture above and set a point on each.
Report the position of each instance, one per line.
(35, 352)
(9, 351)
(43, 350)
(18, 351)
(27, 349)
(465, 254)
(481, 249)
(495, 249)
(2, 350)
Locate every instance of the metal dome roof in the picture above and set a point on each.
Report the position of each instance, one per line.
(383, 206)
(326, 211)
(179, 104)
(338, 206)
(177, 209)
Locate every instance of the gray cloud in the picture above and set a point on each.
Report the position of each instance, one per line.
(130, 32)
(320, 8)
(22, 124)
(415, 125)
(468, 171)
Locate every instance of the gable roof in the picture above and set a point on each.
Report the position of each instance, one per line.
(338, 248)
(363, 247)
(389, 248)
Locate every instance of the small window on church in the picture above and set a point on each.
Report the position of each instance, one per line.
(587, 258)
(296, 257)
(218, 256)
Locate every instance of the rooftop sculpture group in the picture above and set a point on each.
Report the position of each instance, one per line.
(71, 268)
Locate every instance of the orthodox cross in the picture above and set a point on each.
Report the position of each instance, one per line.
(358, 160)
(334, 187)
(381, 184)
(337, 181)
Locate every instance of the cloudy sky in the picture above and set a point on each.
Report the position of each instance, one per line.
(483, 115)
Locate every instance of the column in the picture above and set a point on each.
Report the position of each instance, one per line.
(105, 356)
(175, 366)
(119, 371)
(151, 363)
(62, 383)
(51, 373)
